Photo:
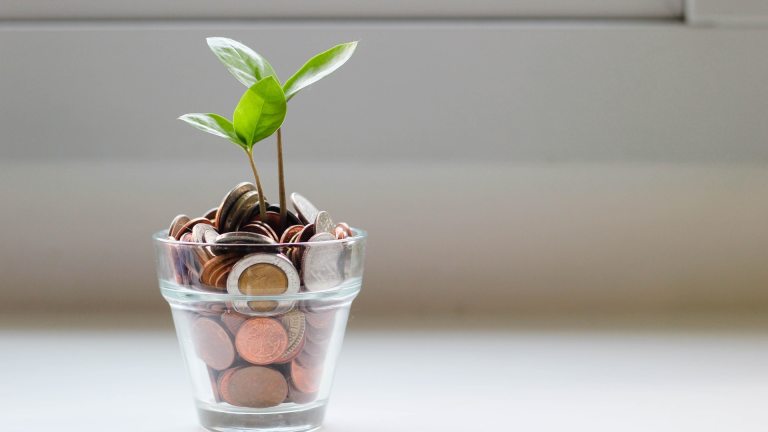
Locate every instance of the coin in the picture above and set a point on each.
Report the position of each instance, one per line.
(254, 387)
(214, 265)
(211, 214)
(261, 341)
(260, 227)
(263, 274)
(308, 360)
(306, 211)
(306, 380)
(318, 336)
(232, 321)
(176, 224)
(321, 319)
(339, 233)
(209, 309)
(295, 325)
(241, 211)
(291, 218)
(202, 233)
(229, 199)
(346, 228)
(315, 349)
(307, 233)
(242, 237)
(220, 278)
(212, 344)
(224, 241)
(273, 220)
(320, 264)
(299, 397)
(323, 222)
(290, 232)
(187, 227)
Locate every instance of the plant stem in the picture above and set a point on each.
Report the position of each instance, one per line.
(281, 178)
(262, 204)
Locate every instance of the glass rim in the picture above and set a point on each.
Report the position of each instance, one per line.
(163, 238)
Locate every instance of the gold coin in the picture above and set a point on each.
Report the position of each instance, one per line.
(263, 279)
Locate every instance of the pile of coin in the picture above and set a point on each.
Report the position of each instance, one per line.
(215, 265)
(261, 353)
(259, 362)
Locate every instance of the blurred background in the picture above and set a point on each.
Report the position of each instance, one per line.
(567, 163)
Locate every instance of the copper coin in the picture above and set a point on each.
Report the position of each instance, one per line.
(187, 227)
(224, 267)
(299, 397)
(233, 320)
(290, 232)
(211, 214)
(309, 361)
(306, 380)
(346, 228)
(254, 387)
(229, 200)
(222, 382)
(306, 233)
(176, 224)
(339, 233)
(220, 280)
(212, 266)
(261, 341)
(212, 344)
(295, 325)
(290, 217)
(273, 220)
(259, 227)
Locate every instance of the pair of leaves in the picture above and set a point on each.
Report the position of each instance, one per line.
(259, 114)
(250, 67)
(262, 107)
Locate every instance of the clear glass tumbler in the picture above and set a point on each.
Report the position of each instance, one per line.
(260, 326)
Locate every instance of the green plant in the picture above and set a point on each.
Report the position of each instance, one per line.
(249, 68)
(259, 113)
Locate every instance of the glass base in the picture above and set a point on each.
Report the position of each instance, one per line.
(285, 418)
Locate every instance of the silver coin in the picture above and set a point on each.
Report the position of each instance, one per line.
(306, 211)
(324, 223)
(229, 200)
(254, 307)
(176, 224)
(243, 237)
(204, 233)
(321, 263)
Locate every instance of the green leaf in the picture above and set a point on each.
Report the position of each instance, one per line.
(213, 124)
(260, 112)
(318, 67)
(244, 63)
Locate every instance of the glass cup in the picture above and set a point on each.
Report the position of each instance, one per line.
(260, 326)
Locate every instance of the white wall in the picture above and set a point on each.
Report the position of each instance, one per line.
(607, 165)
